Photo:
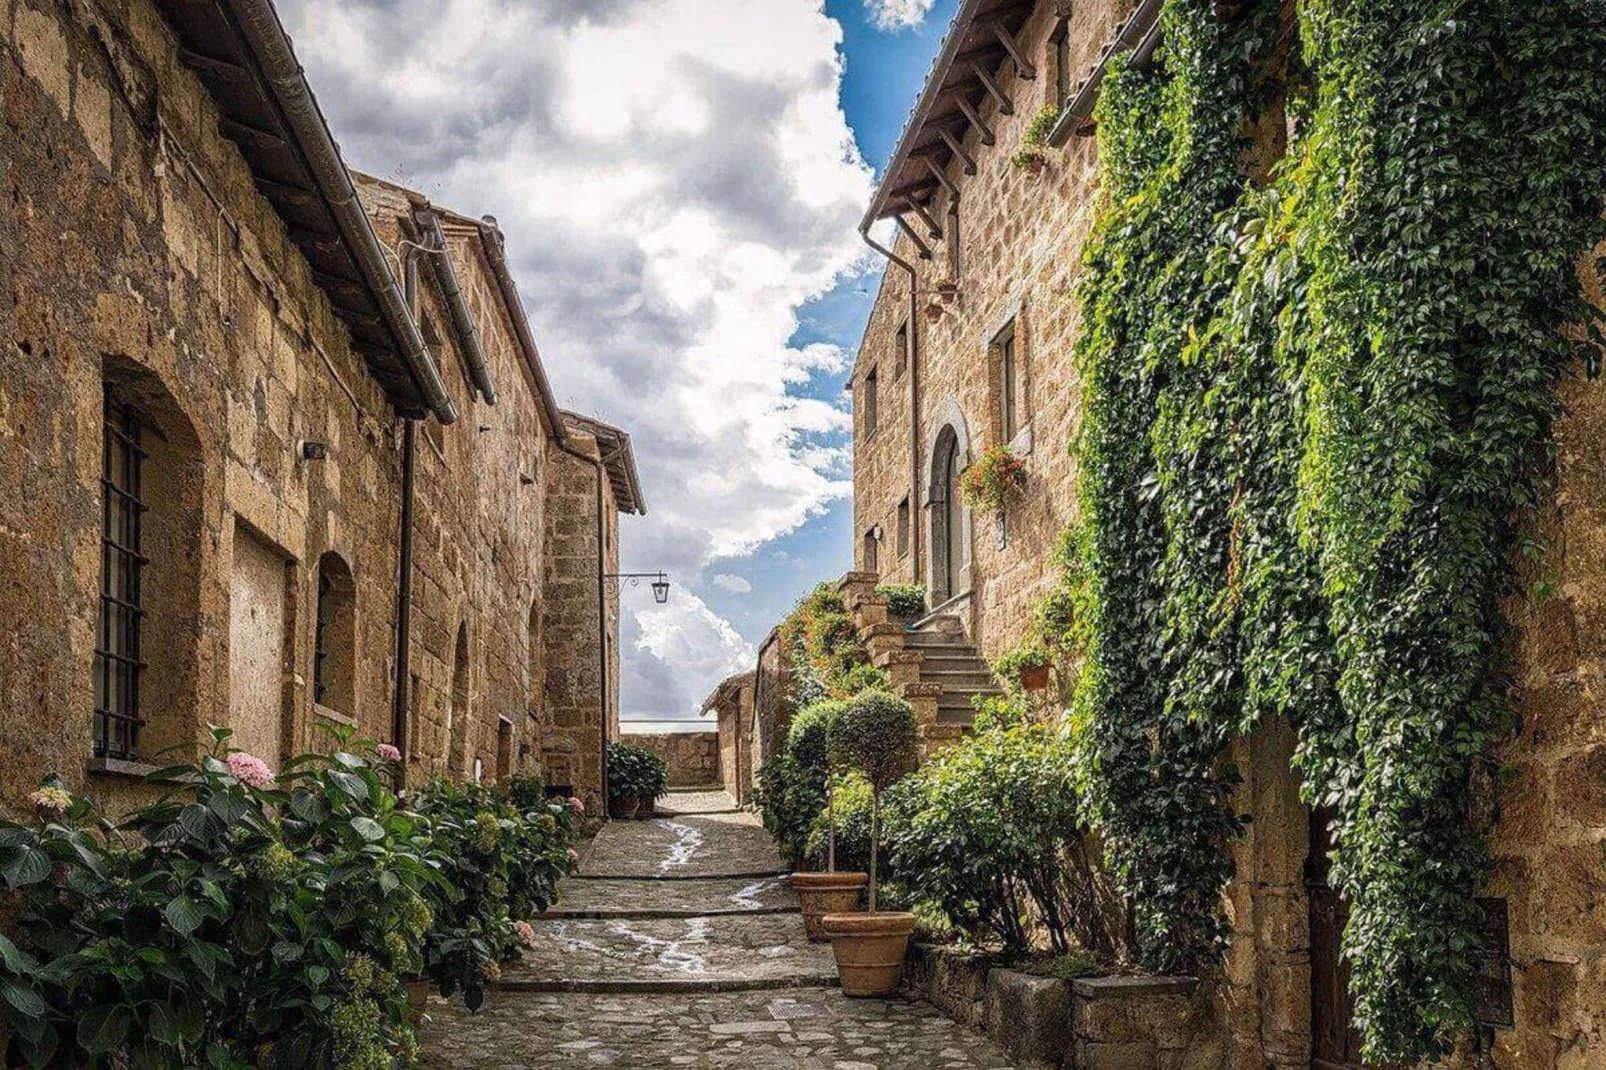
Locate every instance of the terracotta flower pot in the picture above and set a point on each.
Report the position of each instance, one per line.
(869, 950)
(820, 894)
(1034, 677)
(624, 809)
(1037, 165)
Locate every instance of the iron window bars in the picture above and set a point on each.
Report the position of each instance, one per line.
(118, 666)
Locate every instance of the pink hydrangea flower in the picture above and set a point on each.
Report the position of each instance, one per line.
(579, 807)
(51, 802)
(387, 753)
(526, 933)
(249, 769)
(574, 857)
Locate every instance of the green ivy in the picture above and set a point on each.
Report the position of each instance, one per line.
(1314, 419)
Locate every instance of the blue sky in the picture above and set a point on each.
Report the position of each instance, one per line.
(680, 184)
(885, 70)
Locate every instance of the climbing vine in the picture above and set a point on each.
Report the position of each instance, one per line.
(1314, 416)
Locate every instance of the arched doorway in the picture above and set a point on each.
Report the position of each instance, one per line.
(947, 518)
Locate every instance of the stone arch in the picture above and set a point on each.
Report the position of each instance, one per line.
(147, 664)
(334, 658)
(948, 521)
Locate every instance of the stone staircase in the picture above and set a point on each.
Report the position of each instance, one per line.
(932, 664)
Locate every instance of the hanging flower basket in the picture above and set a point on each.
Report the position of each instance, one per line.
(934, 311)
(995, 481)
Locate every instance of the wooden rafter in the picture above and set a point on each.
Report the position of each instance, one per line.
(983, 131)
(957, 149)
(932, 226)
(909, 232)
(1023, 66)
(941, 176)
(1005, 104)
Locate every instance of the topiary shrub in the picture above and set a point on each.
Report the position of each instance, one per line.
(636, 773)
(789, 798)
(875, 734)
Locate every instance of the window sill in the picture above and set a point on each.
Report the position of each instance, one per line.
(121, 767)
(1021, 444)
(334, 715)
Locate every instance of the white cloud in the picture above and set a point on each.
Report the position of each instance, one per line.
(725, 581)
(675, 179)
(680, 651)
(898, 14)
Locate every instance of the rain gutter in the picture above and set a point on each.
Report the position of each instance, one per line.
(494, 253)
(463, 325)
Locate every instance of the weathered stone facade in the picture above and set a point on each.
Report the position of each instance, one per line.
(732, 704)
(941, 357)
(148, 280)
(692, 757)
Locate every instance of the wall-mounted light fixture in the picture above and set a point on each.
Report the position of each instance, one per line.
(314, 451)
(660, 584)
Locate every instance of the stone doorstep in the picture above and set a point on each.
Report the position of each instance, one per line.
(658, 913)
(669, 986)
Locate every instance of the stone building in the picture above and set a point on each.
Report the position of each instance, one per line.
(969, 345)
(276, 456)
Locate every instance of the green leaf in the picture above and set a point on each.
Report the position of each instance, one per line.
(23, 998)
(164, 1024)
(28, 866)
(368, 829)
(102, 1029)
(183, 914)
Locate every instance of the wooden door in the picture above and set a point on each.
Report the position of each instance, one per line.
(1335, 1043)
(953, 519)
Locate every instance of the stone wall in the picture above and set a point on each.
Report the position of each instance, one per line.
(150, 262)
(692, 757)
(1021, 240)
(732, 704)
(577, 637)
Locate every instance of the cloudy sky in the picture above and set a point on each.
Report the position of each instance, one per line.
(680, 183)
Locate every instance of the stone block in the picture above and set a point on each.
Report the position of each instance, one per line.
(42, 48)
(1029, 1017)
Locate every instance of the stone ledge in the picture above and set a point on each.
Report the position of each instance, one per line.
(117, 767)
(1133, 987)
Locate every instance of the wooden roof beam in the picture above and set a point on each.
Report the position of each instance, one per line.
(1005, 104)
(940, 175)
(957, 149)
(1023, 66)
(932, 226)
(909, 232)
(910, 190)
(983, 131)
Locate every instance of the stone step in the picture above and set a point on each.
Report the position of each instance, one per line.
(703, 953)
(697, 897)
(943, 640)
(954, 679)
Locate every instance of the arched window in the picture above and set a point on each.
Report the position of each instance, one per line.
(537, 670)
(334, 662)
(146, 697)
(458, 725)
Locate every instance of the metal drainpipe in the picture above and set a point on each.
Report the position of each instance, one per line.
(404, 578)
(602, 615)
(914, 397)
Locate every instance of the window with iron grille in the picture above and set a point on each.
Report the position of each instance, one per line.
(118, 664)
(320, 641)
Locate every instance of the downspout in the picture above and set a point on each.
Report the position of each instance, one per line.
(269, 45)
(914, 396)
(602, 614)
(468, 333)
(404, 578)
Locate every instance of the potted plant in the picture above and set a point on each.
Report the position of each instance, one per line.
(1026, 668)
(905, 601)
(1031, 155)
(874, 733)
(829, 892)
(637, 778)
(995, 481)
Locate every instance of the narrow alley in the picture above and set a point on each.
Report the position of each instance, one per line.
(679, 943)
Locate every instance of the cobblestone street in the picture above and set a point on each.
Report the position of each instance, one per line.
(679, 945)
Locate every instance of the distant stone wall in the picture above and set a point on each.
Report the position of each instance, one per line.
(692, 757)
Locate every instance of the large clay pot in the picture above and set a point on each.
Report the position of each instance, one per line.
(624, 808)
(1034, 677)
(869, 950)
(820, 894)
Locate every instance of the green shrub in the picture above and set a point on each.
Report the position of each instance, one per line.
(906, 600)
(245, 919)
(989, 833)
(636, 773)
(806, 740)
(1007, 668)
(789, 797)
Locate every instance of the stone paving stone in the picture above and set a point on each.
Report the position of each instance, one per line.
(671, 847)
(696, 802)
(809, 1029)
(689, 898)
(707, 953)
